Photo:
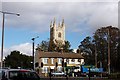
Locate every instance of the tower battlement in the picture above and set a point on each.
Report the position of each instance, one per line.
(57, 32)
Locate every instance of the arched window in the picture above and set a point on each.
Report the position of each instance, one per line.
(59, 35)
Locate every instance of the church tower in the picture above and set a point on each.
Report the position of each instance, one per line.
(57, 33)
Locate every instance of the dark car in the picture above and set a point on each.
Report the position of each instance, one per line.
(18, 74)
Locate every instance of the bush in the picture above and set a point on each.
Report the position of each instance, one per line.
(114, 76)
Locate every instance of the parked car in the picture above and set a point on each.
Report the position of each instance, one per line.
(58, 73)
(18, 74)
(77, 69)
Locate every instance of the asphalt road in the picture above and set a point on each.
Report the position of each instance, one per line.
(74, 78)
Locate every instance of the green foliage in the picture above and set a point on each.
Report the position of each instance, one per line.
(100, 40)
(102, 36)
(44, 45)
(118, 56)
(114, 76)
(15, 60)
(66, 47)
(50, 46)
(87, 49)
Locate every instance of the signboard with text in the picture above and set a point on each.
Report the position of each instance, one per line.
(85, 69)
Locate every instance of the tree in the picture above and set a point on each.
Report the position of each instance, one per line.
(44, 45)
(66, 47)
(52, 46)
(102, 36)
(87, 49)
(16, 59)
(100, 40)
(118, 56)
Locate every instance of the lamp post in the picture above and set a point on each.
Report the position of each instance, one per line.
(3, 22)
(108, 50)
(33, 60)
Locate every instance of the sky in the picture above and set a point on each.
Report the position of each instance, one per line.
(82, 19)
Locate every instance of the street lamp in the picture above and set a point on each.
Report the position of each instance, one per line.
(33, 39)
(108, 50)
(3, 33)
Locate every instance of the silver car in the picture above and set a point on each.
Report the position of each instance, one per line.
(58, 73)
(18, 74)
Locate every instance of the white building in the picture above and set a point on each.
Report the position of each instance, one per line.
(56, 61)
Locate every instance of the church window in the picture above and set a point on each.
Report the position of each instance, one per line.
(59, 35)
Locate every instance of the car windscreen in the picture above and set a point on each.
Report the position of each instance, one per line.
(77, 68)
(2, 74)
(23, 75)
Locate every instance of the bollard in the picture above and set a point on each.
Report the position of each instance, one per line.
(50, 74)
(72, 74)
(89, 73)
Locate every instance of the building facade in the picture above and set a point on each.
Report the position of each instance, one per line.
(56, 61)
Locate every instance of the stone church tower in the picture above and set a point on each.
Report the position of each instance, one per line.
(57, 33)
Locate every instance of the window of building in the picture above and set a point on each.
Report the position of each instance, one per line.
(67, 60)
(79, 60)
(45, 70)
(36, 64)
(59, 68)
(52, 60)
(45, 60)
(73, 60)
(59, 60)
(59, 35)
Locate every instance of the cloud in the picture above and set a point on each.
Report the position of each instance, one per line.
(60, 0)
(38, 15)
(25, 48)
(84, 16)
(108, 15)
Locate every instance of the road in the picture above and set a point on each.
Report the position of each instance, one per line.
(74, 78)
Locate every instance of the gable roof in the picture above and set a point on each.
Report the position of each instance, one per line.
(49, 55)
(73, 55)
(60, 55)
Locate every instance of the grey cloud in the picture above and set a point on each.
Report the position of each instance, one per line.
(60, 0)
(119, 14)
(37, 15)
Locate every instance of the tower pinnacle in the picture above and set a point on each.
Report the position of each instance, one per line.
(51, 25)
(54, 21)
(62, 21)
